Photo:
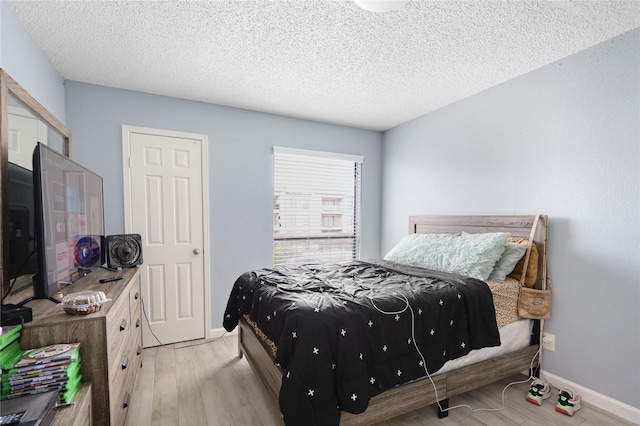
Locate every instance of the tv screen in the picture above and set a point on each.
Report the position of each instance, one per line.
(69, 221)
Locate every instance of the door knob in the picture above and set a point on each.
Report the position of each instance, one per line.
(196, 251)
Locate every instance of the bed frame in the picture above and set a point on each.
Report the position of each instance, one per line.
(419, 393)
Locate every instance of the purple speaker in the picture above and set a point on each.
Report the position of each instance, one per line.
(88, 252)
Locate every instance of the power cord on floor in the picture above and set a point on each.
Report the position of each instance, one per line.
(144, 311)
(197, 343)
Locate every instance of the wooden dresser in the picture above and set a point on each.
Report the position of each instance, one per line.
(111, 340)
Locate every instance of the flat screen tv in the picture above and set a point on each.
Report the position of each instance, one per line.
(69, 221)
(20, 226)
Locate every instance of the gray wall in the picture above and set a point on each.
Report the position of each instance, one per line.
(240, 168)
(562, 140)
(23, 60)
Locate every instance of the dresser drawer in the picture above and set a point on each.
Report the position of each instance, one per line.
(136, 324)
(118, 365)
(118, 327)
(137, 346)
(122, 388)
(135, 296)
(120, 405)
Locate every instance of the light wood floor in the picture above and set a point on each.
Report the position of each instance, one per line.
(205, 383)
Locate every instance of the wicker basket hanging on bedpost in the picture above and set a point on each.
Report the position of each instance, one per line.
(535, 303)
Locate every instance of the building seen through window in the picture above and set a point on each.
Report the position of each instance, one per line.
(315, 207)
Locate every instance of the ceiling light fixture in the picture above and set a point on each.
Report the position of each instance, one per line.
(381, 5)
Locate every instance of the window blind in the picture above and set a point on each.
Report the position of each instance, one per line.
(316, 207)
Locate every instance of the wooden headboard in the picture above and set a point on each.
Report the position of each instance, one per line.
(517, 226)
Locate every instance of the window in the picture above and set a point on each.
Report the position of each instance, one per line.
(330, 203)
(317, 202)
(331, 223)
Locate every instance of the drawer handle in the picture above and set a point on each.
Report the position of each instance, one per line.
(125, 402)
(137, 296)
(139, 350)
(125, 362)
(123, 325)
(138, 323)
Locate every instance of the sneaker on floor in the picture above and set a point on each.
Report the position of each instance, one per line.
(568, 402)
(538, 392)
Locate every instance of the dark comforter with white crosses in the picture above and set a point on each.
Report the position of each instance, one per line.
(346, 332)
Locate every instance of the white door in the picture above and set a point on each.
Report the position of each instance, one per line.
(166, 202)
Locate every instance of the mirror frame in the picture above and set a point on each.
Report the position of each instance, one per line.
(10, 88)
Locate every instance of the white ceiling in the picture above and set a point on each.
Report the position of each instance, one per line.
(322, 60)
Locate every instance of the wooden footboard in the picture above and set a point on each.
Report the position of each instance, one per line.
(400, 399)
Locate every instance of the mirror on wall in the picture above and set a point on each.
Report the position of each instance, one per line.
(25, 130)
(23, 123)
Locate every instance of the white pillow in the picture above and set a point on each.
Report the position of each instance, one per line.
(512, 254)
(473, 255)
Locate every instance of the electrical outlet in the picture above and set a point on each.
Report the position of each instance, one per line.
(549, 342)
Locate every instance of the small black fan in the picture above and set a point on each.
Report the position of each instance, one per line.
(88, 252)
(124, 251)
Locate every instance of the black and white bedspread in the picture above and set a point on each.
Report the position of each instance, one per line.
(346, 332)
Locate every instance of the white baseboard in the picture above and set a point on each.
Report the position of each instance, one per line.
(215, 333)
(620, 409)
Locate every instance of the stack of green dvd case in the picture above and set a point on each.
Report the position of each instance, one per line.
(10, 351)
(53, 367)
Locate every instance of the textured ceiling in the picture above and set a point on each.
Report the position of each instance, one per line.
(322, 60)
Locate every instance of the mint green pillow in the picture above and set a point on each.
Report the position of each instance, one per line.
(473, 255)
(512, 254)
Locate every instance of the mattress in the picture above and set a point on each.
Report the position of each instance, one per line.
(513, 337)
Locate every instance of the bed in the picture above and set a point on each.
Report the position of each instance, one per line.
(472, 354)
